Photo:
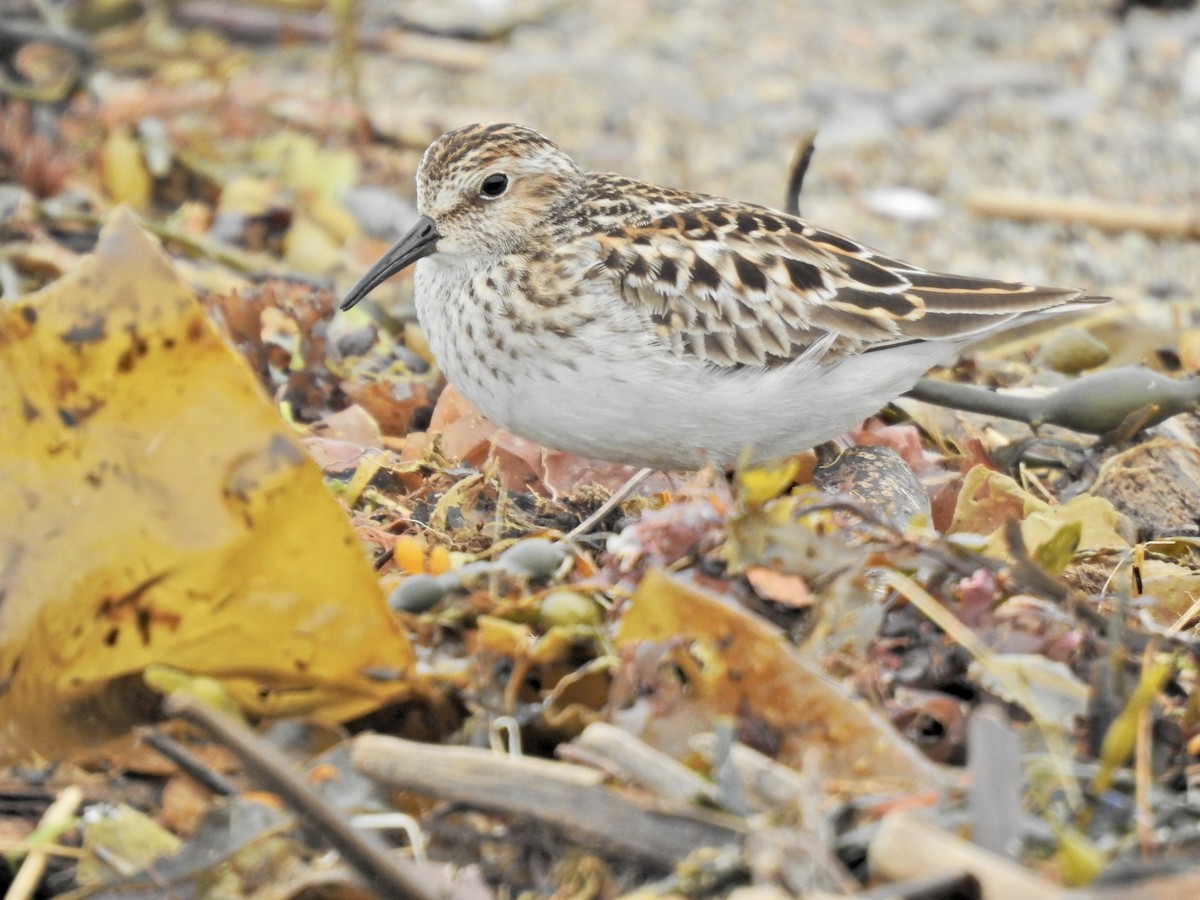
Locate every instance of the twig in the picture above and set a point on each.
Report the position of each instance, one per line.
(910, 847)
(1143, 767)
(59, 816)
(768, 784)
(569, 796)
(23, 848)
(446, 52)
(619, 496)
(253, 265)
(188, 762)
(1176, 223)
(387, 874)
(262, 26)
(638, 763)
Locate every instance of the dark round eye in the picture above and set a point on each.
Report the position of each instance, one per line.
(494, 185)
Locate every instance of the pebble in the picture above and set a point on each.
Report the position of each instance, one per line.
(566, 608)
(417, 594)
(879, 478)
(535, 558)
(1072, 350)
(357, 341)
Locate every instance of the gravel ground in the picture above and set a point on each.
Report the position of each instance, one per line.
(1054, 97)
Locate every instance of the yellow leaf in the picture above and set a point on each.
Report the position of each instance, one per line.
(304, 165)
(167, 681)
(123, 834)
(502, 637)
(251, 196)
(309, 248)
(1055, 553)
(333, 218)
(1097, 518)
(1172, 587)
(758, 484)
(1121, 737)
(988, 500)
(1080, 861)
(123, 170)
(156, 510)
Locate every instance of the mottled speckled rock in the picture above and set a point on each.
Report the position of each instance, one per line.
(879, 478)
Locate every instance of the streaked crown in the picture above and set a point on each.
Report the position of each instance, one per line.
(492, 185)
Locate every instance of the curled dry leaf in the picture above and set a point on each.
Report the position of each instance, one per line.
(933, 721)
(392, 404)
(464, 434)
(989, 499)
(745, 668)
(28, 157)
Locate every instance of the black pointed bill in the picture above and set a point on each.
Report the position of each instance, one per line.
(420, 242)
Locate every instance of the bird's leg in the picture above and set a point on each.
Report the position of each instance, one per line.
(618, 497)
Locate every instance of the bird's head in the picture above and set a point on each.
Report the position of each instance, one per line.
(482, 190)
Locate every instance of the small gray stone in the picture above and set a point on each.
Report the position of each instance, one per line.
(417, 593)
(534, 557)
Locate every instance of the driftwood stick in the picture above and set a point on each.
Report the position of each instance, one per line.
(909, 847)
(1174, 223)
(768, 784)
(615, 749)
(569, 796)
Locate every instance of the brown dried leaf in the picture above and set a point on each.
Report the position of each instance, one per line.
(779, 587)
(744, 668)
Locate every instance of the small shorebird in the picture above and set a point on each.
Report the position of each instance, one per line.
(665, 329)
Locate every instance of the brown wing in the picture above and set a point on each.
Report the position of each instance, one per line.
(742, 285)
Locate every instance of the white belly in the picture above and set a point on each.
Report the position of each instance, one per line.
(645, 415)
